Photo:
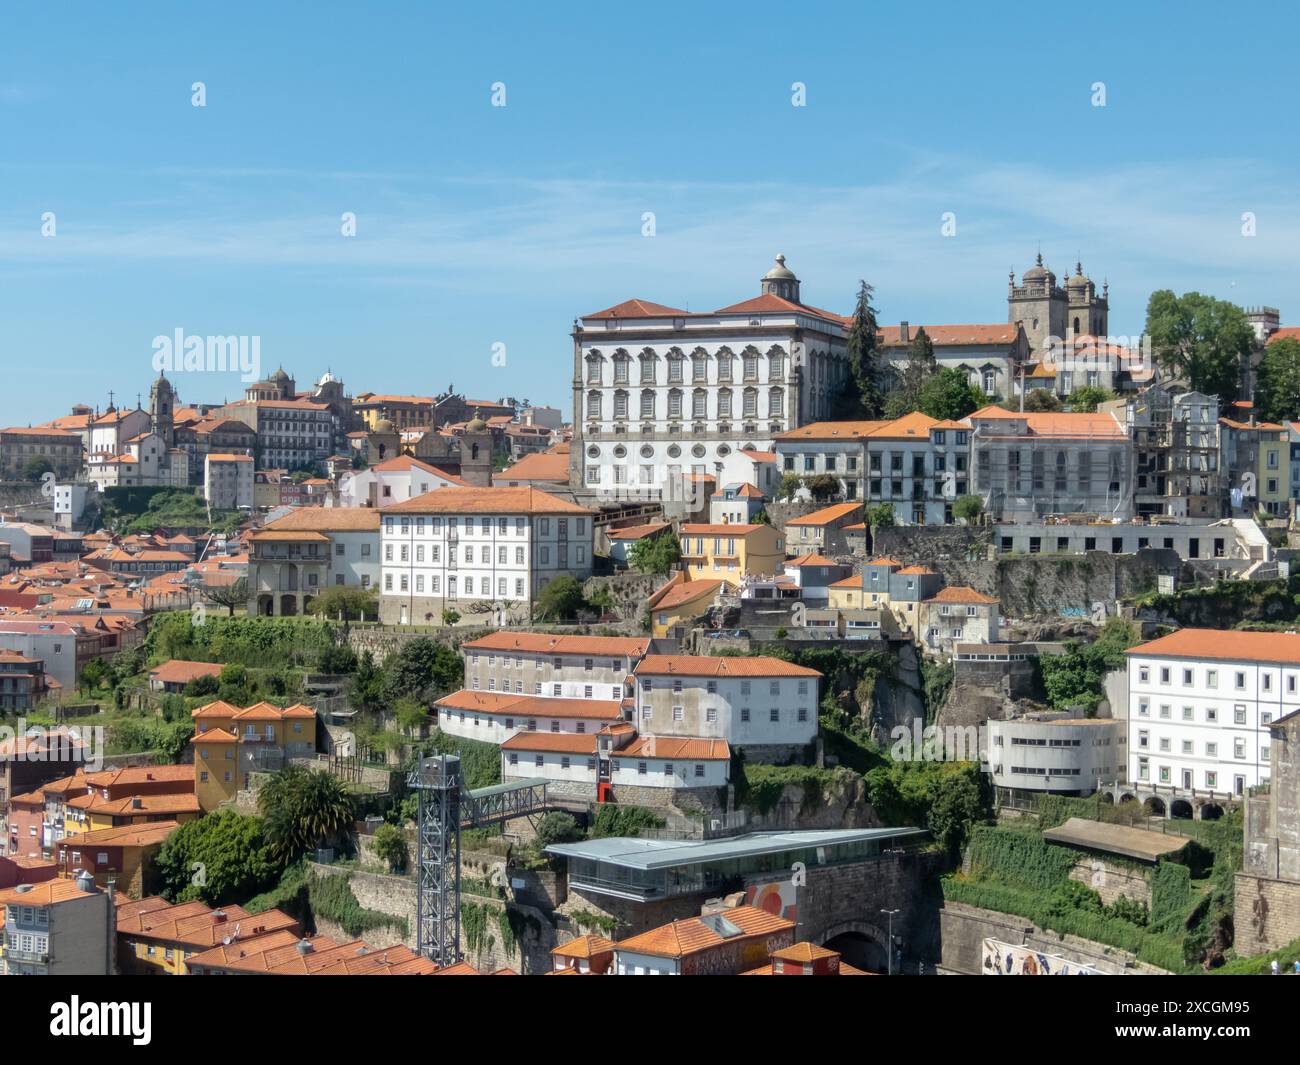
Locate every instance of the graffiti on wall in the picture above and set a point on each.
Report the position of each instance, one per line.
(1009, 959)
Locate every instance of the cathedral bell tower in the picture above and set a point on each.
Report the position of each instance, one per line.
(162, 410)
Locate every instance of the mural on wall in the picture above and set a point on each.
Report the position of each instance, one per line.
(779, 898)
(1008, 959)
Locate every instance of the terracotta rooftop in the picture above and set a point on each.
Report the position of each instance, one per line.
(1225, 644)
(693, 935)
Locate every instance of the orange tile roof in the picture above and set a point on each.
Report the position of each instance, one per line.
(195, 924)
(854, 581)
(685, 748)
(1228, 644)
(517, 500)
(532, 705)
(692, 935)
(180, 671)
(957, 593)
(720, 666)
(722, 530)
(583, 947)
(638, 309)
(278, 954)
(911, 426)
(145, 835)
(131, 776)
(772, 303)
(951, 335)
(279, 535)
(810, 559)
(636, 532)
(327, 519)
(544, 643)
(833, 431)
(214, 735)
(1059, 424)
(557, 742)
(688, 593)
(179, 803)
(804, 952)
(920, 571)
(46, 893)
(537, 467)
(884, 560)
(215, 709)
(827, 514)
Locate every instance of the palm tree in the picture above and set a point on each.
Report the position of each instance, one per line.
(303, 807)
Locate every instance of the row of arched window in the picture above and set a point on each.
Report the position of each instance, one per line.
(683, 369)
(698, 400)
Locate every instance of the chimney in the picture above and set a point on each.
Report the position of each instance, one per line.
(904, 333)
(304, 946)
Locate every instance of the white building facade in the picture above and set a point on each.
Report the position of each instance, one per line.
(661, 393)
(455, 546)
(1200, 705)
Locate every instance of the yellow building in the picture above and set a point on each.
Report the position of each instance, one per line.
(728, 552)
(231, 744)
(680, 601)
(157, 938)
(401, 412)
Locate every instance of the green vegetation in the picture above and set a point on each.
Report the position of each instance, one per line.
(880, 516)
(220, 858)
(422, 669)
(822, 486)
(1200, 339)
(968, 508)
(1277, 395)
(480, 763)
(1075, 677)
(303, 894)
(615, 820)
(1087, 398)
(143, 510)
(948, 798)
(861, 398)
(272, 643)
(390, 846)
(346, 604)
(301, 808)
(790, 484)
(560, 600)
(655, 554)
(35, 468)
(558, 827)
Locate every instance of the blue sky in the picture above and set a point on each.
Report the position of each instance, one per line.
(479, 225)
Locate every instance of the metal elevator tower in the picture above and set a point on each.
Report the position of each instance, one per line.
(438, 781)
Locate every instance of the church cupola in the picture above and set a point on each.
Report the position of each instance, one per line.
(780, 281)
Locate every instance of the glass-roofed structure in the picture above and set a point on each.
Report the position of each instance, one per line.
(648, 869)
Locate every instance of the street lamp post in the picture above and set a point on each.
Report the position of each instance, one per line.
(889, 959)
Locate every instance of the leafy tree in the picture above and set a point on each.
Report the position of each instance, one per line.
(961, 802)
(336, 658)
(655, 554)
(790, 484)
(1200, 340)
(1074, 678)
(367, 684)
(762, 518)
(822, 486)
(557, 827)
(881, 516)
(560, 600)
(234, 594)
(1042, 399)
(1277, 394)
(422, 666)
(94, 676)
(217, 859)
(204, 685)
(919, 368)
(349, 603)
(968, 508)
(233, 687)
(301, 808)
(948, 395)
(36, 467)
(862, 398)
(410, 713)
(390, 846)
(450, 617)
(1087, 398)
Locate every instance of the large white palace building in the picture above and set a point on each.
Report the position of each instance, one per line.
(661, 394)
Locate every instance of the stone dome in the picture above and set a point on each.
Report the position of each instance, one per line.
(1037, 272)
(383, 426)
(780, 271)
(1078, 280)
(476, 424)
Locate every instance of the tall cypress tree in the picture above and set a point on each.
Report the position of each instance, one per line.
(864, 399)
(920, 367)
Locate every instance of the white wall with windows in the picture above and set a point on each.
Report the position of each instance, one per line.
(1203, 723)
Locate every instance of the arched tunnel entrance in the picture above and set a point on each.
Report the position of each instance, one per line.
(859, 944)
